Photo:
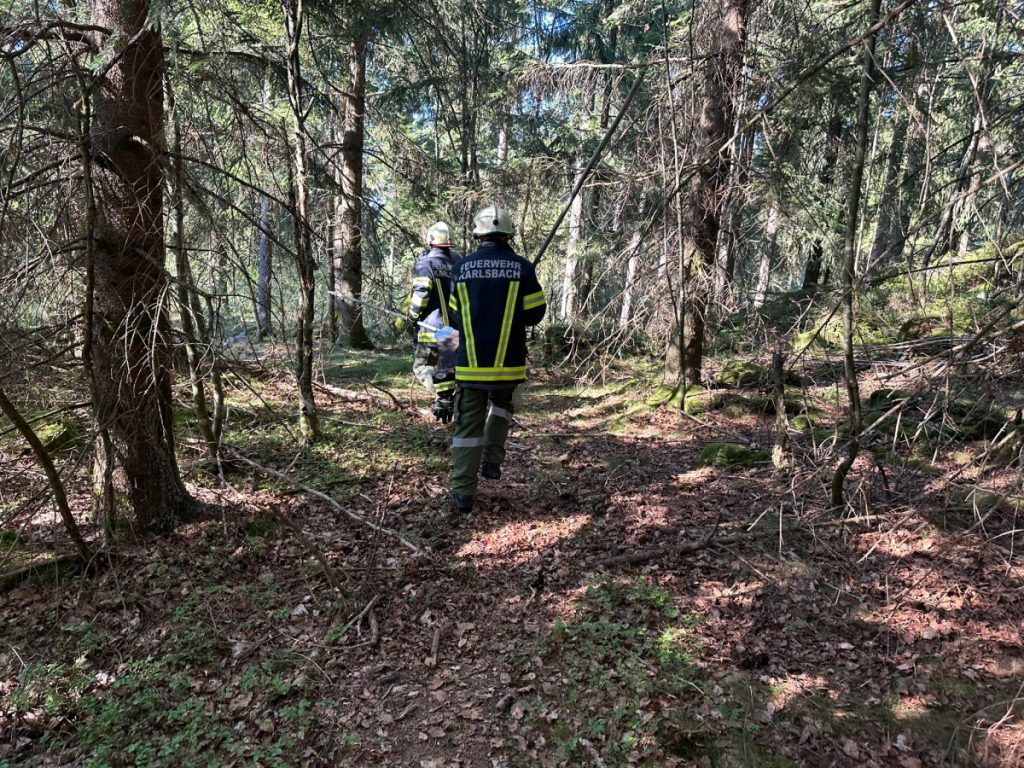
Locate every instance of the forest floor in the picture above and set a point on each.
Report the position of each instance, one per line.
(751, 628)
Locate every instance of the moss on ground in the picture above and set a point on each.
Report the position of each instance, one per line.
(730, 455)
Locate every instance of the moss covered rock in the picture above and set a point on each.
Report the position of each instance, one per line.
(59, 435)
(730, 455)
(743, 373)
(919, 328)
(803, 422)
(976, 419)
(883, 399)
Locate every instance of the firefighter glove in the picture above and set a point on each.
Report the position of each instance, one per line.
(444, 409)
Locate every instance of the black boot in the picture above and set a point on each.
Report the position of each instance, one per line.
(462, 502)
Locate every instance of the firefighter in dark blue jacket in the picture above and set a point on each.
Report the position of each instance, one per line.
(495, 297)
(431, 290)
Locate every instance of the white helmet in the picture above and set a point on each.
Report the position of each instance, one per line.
(493, 220)
(439, 235)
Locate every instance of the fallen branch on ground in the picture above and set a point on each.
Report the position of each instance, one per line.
(644, 555)
(334, 504)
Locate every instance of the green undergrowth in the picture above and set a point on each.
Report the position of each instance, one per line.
(353, 449)
(731, 455)
(56, 434)
(627, 645)
(921, 416)
(191, 692)
(358, 367)
(947, 300)
(631, 688)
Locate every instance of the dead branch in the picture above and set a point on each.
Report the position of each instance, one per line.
(643, 555)
(399, 405)
(18, 574)
(52, 475)
(334, 504)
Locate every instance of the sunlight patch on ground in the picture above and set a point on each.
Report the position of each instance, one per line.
(790, 689)
(522, 539)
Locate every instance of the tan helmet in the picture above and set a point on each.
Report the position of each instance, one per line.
(439, 235)
(493, 220)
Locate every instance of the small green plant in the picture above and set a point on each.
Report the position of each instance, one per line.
(627, 645)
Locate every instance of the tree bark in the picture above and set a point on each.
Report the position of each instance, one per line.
(816, 259)
(629, 287)
(265, 250)
(309, 422)
(570, 293)
(709, 186)
(130, 332)
(887, 222)
(850, 260)
(186, 291)
(769, 254)
(348, 242)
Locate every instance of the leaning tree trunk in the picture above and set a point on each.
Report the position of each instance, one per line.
(309, 422)
(348, 246)
(129, 344)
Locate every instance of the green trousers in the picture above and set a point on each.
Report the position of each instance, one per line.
(482, 419)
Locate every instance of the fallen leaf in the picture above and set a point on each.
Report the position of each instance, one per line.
(850, 748)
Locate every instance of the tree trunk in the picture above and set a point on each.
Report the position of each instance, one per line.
(186, 290)
(130, 331)
(816, 260)
(502, 153)
(265, 243)
(732, 210)
(309, 422)
(629, 287)
(570, 294)
(769, 254)
(709, 188)
(888, 218)
(264, 319)
(850, 260)
(348, 242)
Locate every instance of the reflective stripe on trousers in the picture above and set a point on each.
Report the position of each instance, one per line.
(482, 418)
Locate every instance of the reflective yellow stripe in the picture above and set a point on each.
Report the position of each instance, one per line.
(506, 323)
(427, 337)
(467, 324)
(421, 282)
(534, 300)
(444, 386)
(453, 303)
(440, 300)
(471, 373)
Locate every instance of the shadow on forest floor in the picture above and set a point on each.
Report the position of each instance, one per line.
(282, 633)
